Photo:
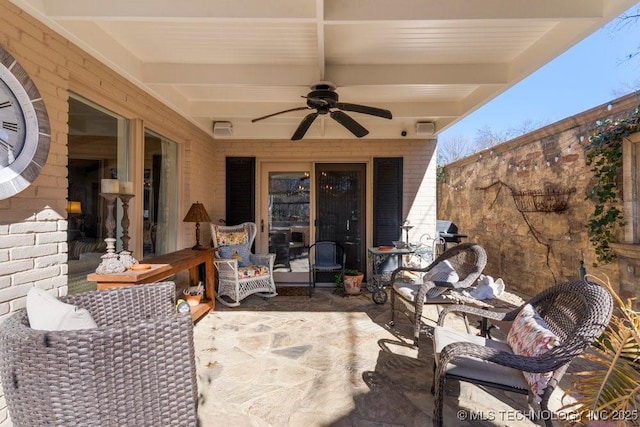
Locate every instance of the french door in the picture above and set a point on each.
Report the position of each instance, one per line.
(340, 208)
(285, 219)
(301, 203)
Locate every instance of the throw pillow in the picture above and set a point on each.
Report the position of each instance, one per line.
(529, 336)
(442, 272)
(231, 238)
(238, 252)
(47, 313)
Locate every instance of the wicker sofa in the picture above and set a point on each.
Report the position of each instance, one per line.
(136, 368)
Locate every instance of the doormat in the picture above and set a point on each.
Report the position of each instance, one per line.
(293, 291)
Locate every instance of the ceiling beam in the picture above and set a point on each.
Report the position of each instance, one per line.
(250, 109)
(341, 75)
(202, 74)
(170, 10)
(336, 11)
(430, 10)
(320, 39)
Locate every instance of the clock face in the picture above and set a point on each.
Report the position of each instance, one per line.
(13, 130)
(24, 128)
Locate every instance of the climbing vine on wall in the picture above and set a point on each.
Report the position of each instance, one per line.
(604, 155)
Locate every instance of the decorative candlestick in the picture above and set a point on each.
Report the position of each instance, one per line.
(110, 262)
(125, 220)
(125, 256)
(110, 222)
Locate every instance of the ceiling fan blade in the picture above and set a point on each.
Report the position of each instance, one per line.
(346, 121)
(365, 109)
(279, 112)
(303, 127)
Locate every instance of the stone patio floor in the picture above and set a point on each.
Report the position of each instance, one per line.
(330, 361)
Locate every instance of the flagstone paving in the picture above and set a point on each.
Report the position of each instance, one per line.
(329, 361)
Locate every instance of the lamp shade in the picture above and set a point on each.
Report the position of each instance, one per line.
(74, 207)
(197, 213)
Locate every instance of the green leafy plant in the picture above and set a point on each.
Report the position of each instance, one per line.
(338, 289)
(604, 155)
(611, 388)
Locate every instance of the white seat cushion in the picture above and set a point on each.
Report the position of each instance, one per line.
(47, 313)
(475, 369)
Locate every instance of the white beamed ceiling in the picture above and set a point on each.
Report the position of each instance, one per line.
(234, 60)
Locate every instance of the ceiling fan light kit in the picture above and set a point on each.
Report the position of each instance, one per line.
(324, 99)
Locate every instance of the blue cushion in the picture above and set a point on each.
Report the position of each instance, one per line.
(240, 251)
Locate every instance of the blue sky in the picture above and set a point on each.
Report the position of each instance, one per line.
(591, 73)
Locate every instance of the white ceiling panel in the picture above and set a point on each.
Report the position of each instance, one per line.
(423, 60)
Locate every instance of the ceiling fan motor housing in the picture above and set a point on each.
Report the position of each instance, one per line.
(322, 100)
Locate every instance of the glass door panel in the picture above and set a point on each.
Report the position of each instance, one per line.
(285, 219)
(340, 209)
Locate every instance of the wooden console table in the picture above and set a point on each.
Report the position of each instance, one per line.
(164, 266)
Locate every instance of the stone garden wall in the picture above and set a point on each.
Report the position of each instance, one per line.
(528, 247)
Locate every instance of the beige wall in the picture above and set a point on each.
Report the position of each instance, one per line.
(530, 250)
(418, 165)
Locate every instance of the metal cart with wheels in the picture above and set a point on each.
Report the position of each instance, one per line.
(382, 261)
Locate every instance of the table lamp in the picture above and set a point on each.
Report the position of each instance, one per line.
(197, 213)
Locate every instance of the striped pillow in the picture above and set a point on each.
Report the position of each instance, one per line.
(529, 336)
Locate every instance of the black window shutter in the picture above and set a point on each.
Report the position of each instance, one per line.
(240, 188)
(387, 200)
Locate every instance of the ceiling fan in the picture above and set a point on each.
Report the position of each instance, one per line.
(324, 99)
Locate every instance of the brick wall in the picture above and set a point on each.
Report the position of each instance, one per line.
(530, 250)
(33, 248)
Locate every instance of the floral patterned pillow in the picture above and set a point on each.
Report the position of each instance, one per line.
(530, 336)
(231, 238)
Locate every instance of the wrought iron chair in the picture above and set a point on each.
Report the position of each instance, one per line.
(325, 256)
(240, 272)
(467, 259)
(576, 312)
(136, 368)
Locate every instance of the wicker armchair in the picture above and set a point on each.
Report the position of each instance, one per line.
(235, 280)
(576, 312)
(136, 368)
(467, 259)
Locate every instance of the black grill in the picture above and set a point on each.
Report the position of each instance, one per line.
(449, 231)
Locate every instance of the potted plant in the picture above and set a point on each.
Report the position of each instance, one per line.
(353, 282)
(193, 294)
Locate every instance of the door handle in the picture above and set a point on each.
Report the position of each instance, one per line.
(262, 225)
(347, 225)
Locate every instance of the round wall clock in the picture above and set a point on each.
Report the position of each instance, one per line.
(24, 128)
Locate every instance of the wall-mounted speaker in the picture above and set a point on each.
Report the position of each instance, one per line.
(222, 129)
(425, 129)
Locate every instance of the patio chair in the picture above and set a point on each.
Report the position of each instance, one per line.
(136, 368)
(467, 260)
(575, 312)
(279, 244)
(240, 272)
(325, 256)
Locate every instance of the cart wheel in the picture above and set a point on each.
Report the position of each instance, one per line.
(379, 297)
